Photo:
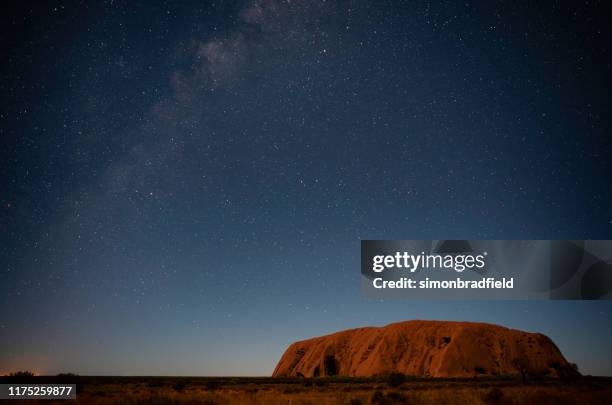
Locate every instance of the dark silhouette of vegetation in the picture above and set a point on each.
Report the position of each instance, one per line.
(493, 396)
(212, 385)
(26, 374)
(70, 378)
(393, 397)
(522, 365)
(20, 376)
(67, 375)
(377, 397)
(396, 397)
(180, 385)
(396, 379)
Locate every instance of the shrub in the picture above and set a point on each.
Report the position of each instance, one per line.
(67, 375)
(377, 397)
(396, 379)
(20, 374)
(396, 397)
(212, 385)
(179, 385)
(493, 396)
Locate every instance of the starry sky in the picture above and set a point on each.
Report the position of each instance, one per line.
(184, 187)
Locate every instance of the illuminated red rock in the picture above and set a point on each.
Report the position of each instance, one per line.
(425, 348)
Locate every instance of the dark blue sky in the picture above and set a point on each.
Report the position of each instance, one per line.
(184, 187)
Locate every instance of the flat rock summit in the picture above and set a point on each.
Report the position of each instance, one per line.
(425, 348)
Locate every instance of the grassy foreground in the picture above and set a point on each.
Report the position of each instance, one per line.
(353, 391)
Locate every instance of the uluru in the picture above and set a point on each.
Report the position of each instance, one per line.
(427, 349)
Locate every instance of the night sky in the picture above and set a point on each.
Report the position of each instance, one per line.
(184, 187)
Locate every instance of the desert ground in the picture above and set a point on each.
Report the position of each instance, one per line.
(331, 390)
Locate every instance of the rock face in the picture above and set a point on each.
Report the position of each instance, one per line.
(425, 348)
